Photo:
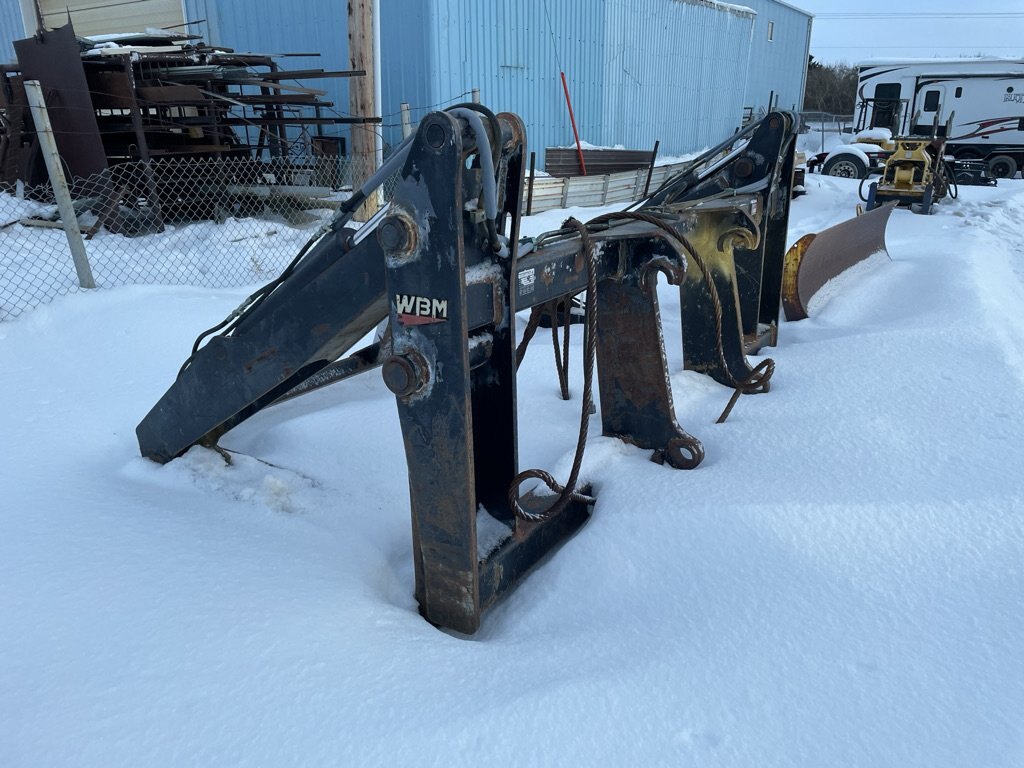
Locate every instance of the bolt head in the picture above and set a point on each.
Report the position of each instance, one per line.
(396, 234)
(744, 167)
(391, 235)
(436, 136)
(405, 375)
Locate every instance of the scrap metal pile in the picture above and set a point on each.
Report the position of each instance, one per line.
(161, 97)
(444, 269)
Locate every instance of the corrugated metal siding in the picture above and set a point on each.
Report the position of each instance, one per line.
(779, 65)
(638, 70)
(507, 51)
(405, 64)
(675, 72)
(11, 28)
(273, 27)
(269, 26)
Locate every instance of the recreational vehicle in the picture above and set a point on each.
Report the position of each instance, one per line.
(976, 103)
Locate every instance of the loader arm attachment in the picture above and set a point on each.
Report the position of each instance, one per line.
(309, 321)
(436, 265)
(756, 164)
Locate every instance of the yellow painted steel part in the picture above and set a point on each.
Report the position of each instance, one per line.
(791, 304)
(815, 259)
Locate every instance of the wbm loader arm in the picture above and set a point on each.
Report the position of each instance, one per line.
(436, 264)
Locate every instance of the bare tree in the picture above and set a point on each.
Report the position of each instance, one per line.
(831, 88)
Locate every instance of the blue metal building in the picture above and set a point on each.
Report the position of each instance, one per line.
(681, 71)
(11, 28)
(270, 27)
(282, 29)
(678, 71)
(674, 71)
(780, 33)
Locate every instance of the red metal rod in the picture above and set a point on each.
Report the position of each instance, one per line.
(575, 133)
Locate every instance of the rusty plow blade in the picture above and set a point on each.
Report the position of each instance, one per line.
(813, 260)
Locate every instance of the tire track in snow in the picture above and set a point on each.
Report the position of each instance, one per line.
(998, 269)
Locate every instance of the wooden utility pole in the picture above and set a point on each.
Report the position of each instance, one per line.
(361, 96)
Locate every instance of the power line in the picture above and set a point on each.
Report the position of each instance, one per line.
(920, 15)
(551, 33)
(978, 46)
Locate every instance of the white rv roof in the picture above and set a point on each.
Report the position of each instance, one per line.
(970, 60)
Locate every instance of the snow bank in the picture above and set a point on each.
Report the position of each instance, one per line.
(838, 584)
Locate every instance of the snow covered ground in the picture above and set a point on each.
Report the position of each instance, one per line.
(839, 584)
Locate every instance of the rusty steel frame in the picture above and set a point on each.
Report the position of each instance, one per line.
(432, 265)
(750, 175)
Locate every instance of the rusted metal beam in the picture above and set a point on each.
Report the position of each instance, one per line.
(561, 161)
(311, 74)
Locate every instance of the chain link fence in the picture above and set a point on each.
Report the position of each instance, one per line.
(207, 222)
(210, 222)
(821, 129)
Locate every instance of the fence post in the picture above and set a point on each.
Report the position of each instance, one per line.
(476, 95)
(638, 185)
(406, 120)
(61, 193)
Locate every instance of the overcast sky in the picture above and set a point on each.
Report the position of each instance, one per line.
(914, 28)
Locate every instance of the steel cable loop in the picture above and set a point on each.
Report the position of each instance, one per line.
(529, 333)
(549, 480)
(759, 378)
(549, 308)
(709, 282)
(757, 381)
(568, 492)
(561, 356)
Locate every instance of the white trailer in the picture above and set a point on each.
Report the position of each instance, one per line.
(982, 99)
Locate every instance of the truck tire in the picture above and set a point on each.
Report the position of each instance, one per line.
(845, 166)
(1002, 166)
